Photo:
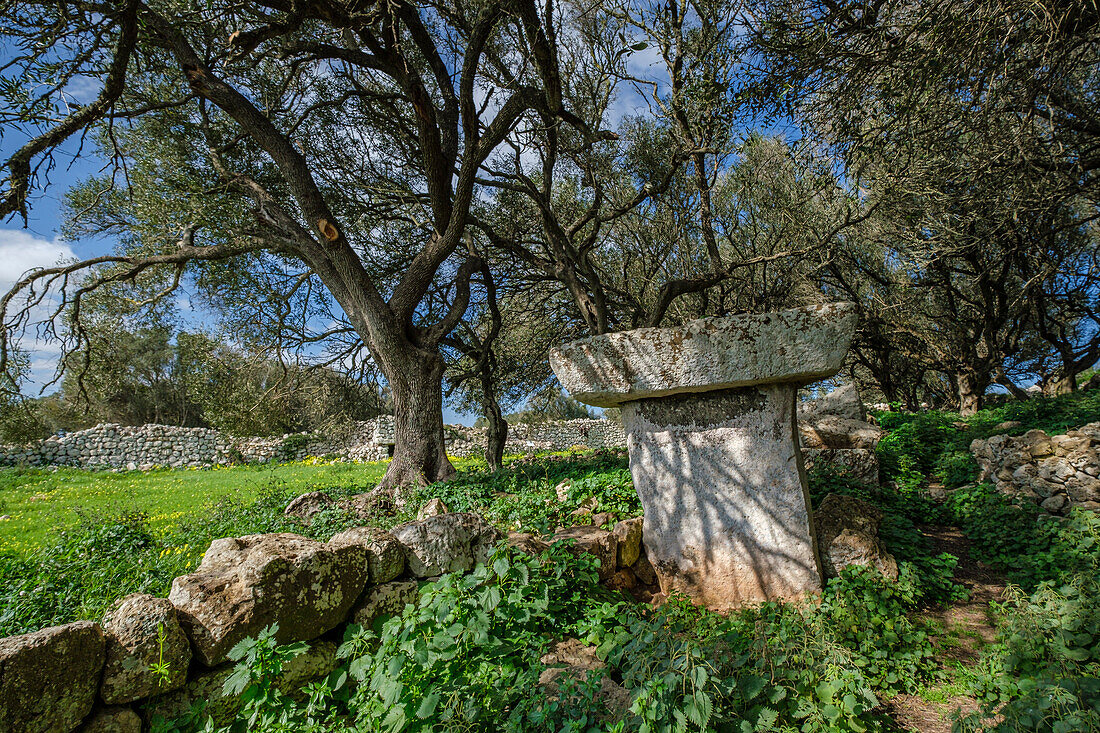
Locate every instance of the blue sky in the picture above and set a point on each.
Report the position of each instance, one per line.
(38, 244)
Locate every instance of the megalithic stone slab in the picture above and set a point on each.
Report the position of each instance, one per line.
(796, 346)
(709, 413)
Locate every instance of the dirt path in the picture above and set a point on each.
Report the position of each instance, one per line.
(965, 628)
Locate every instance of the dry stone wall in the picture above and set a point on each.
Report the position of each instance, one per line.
(118, 447)
(109, 446)
(90, 676)
(1058, 472)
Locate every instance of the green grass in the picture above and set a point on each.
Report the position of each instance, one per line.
(42, 503)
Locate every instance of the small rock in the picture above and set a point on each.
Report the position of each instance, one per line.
(601, 518)
(643, 570)
(629, 534)
(562, 491)
(599, 543)
(113, 720)
(134, 628)
(386, 599)
(623, 579)
(1007, 425)
(527, 543)
(448, 543)
(852, 547)
(385, 555)
(308, 505)
(571, 658)
(1054, 504)
(433, 508)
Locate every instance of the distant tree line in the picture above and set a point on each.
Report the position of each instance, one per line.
(156, 374)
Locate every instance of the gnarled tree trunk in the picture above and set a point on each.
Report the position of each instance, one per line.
(971, 390)
(420, 453)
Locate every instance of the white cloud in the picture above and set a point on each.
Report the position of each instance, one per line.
(21, 251)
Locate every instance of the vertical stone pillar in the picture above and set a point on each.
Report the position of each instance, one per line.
(709, 412)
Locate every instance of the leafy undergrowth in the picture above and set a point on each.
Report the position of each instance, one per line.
(937, 443)
(466, 657)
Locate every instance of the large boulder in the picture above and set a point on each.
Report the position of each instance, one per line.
(448, 543)
(143, 631)
(49, 678)
(843, 402)
(245, 584)
(599, 543)
(847, 534)
(830, 431)
(433, 508)
(385, 555)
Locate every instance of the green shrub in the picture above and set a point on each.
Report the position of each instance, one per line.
(1029, 545)
(1044, 673)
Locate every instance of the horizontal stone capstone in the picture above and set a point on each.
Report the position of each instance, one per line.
(800, 345)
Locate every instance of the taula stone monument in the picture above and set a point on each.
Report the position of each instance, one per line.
(709, 413)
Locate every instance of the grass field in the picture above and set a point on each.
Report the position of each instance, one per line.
(41, 503)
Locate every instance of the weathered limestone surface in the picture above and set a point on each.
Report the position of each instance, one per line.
(709, 413)
(244, 584)
(797, 346)
(142, 631)
(48, 678)
(720, 478)
(448, 543)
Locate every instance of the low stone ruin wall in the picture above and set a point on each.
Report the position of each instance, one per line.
(108, 446)
(91, 676)
(848, 444)
(158, 656)
(555, 435)
(1058, 472)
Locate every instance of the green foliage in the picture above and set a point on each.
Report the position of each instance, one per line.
(613, 492)
(932, 443)
(1044, 673)
(867, 612)
(468, 654)
(259, 662)
(523, 496)
(1029, 545)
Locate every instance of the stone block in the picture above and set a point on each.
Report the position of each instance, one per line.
(448, 543)
(245, 584)
(709, 413)
(721, 481)
(49, 678)
(794, 346)
(142, 631)
(592, 540)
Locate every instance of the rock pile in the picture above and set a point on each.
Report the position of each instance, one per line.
(1058, 472)
(99, 677)
(833, 430)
